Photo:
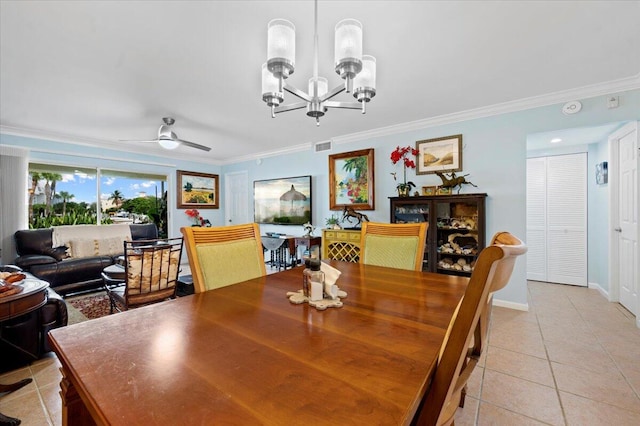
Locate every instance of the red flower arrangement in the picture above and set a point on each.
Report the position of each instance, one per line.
(197, 219)
(402, 154)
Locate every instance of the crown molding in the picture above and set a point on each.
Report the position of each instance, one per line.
(606, 88)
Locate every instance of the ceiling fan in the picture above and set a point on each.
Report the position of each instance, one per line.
(169, 140)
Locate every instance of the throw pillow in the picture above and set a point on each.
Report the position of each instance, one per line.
(58, 253)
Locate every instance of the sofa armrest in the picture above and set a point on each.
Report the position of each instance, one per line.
(28, 260)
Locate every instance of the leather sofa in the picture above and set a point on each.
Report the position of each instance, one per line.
(37, 255)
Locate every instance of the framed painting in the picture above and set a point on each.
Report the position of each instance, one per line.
(283, 201)
(351, 182)
(429, 190)
(198, 190)
(442, 155)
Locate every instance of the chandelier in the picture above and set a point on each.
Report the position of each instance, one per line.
(357, 70)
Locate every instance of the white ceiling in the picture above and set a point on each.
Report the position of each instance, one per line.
(573, 136)
(100, 71)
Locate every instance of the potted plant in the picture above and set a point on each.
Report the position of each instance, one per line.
(332, 222)
(401, 154)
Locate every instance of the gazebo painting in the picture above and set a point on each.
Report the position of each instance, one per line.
(283, 201)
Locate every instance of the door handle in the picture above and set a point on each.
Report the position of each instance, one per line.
(617, 229)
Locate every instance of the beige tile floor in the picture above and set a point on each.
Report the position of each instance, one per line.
(573, 359)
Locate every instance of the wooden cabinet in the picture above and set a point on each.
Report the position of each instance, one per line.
(456, 229)
(341, 244)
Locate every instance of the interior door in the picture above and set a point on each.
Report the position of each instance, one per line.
(628, 219)
(236, 211)
(537, 219)
(567, 219)
(557, 219)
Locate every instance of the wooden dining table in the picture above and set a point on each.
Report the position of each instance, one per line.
(244, 354)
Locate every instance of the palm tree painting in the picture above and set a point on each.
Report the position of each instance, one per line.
(351, 179)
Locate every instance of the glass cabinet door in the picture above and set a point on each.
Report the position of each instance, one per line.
(411, 213)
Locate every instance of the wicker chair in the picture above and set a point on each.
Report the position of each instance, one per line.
(151, 273)
(394, 245)
(221, 256)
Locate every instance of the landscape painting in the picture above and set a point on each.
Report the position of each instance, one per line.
(439, 155)
(198, 190)
(283, 201)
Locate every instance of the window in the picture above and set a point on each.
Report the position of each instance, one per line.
(64, 195)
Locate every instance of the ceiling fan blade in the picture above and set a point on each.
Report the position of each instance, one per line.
(149, 141)
(193, 145)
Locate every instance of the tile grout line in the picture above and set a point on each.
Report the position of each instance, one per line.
(546, 351)
(45, 412)
(613, 360)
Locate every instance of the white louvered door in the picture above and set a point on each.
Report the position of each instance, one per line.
(557, 219)
(537, 219)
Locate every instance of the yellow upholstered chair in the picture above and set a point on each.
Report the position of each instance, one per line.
(151, 270)
(456, 361)
(221, 256)
(394, 245)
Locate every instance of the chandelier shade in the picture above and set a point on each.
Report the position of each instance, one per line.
(323, 86)
(271, 92)
(281, 47)
(357, 70)
(348, 48)
(365, 82)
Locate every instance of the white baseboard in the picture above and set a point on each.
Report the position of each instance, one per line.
(511, 305)
(601, 290)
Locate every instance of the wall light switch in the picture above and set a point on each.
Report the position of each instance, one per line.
(613, 102)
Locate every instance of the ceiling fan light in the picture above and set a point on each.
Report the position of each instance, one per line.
(281, 47)
(168, 143)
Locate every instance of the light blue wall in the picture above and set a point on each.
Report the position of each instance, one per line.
(598, 218)
(494, 155)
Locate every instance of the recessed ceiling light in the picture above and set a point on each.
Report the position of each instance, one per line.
(556, 140)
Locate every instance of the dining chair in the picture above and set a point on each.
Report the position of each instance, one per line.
(225, 255)
(455, 362)
(500, 280)
(394, 245)
(151, 270)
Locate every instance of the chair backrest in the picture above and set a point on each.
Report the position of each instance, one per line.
(440, 403)
(151, 270)
(500, 280)
(394, 245)
(225, 255)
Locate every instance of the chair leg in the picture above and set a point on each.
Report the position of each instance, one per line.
(463, 394)
(111, 305)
